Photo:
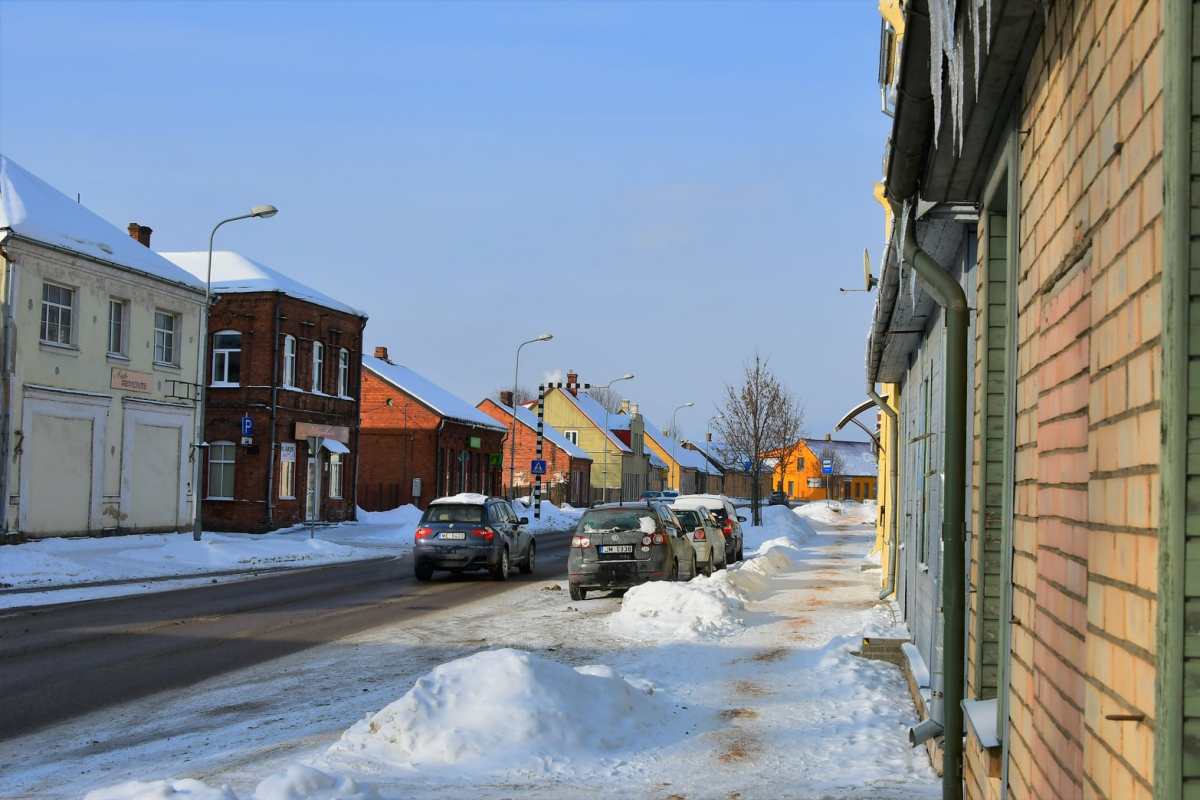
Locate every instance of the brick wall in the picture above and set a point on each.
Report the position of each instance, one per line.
(253, 315)
(575, 490)
(1089, 361)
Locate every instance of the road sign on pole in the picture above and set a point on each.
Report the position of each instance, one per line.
(827, 466)
(537, 467)
(247, 426)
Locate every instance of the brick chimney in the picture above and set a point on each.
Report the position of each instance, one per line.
(381, 353)
(573, 383)
(140, 232)
(506, 399)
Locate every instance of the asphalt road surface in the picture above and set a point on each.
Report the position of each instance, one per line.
(62, 661)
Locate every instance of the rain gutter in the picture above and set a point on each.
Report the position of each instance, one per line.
(6, 346)
(274, 411)
(893, 457)
(1178, 88)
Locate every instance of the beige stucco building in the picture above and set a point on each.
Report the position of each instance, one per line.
(99, 357)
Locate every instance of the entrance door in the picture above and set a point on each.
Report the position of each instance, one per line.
(311, 500)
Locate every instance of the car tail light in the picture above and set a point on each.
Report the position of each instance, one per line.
(423, 533)
(645, 540)
(580, 541)
(700, 534)
(658, 538)
(728, 529)
(483, 533)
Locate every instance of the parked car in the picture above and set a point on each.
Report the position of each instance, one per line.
(722, 508)
(777, 498)
(705, 534)
(619, 545)
(652, 496)
(472, 532)
(669, 495)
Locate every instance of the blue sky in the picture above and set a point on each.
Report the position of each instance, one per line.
(665, 187)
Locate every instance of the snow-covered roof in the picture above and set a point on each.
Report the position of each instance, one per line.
(442, 402)
(233, 273)
(35, 210)
(549, 432)
(594, 411)
(859, 458)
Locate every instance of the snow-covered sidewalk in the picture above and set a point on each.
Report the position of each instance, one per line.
(742, 685)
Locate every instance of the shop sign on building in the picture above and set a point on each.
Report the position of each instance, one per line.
(131, 381)
(339, 432)
(287, 451)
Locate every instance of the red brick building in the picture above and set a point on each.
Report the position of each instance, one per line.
(419, 441)
(568, 475)
(287, 358)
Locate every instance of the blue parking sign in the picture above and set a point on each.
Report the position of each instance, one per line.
(537, 467)
(247, 426)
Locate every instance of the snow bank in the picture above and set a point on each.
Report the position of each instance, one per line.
(501, 710)
(553, 517)
(839, 511)
(217, 551)
(779, 522)
(403, 515)
(297, 783)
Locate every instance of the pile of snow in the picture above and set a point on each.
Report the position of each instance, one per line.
(402, 516)
(218, 551)
(500, 710)
(840, 511)
(553, 517)
(297, 783)
(779, 522)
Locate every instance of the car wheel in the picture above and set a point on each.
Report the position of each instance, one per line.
(530, 560)
(500, 573)
(674, 573)
(578, 592)
(423, 572)
(740, 556)
(708, 565)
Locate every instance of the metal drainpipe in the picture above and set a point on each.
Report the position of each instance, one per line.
(953, 300)
(10, 276)
(274, 408)
(893, 457)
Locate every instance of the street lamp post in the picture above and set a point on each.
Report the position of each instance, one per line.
(708, 444)
(512, 444)
(674, 436)
(604, 472)
(262, 212)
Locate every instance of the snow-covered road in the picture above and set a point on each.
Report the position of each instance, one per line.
(742, 685)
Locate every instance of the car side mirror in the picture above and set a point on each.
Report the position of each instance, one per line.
(741, 519)
(524, 520)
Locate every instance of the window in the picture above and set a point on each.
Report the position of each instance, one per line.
(58, 305)
(289, 361)
(227, 357)
(164, 337)
(220, 470)
(572, 436)
(318, 365)
(287, 479)
(335, 475)
(116, 327)
(343, 373)
(800, 464)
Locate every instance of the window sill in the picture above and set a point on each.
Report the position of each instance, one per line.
(60, 349)
(224, 385)
(118, 357)
(295, 389)
(289, 497)
(164, 367)
(218, 499)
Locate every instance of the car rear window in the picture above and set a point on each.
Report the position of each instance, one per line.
(453, 513)
(618, 519)
(688, 516)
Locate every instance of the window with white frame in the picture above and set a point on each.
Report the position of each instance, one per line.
(335, 475)
(318, 364)
(227, 358)
(118, 311)
(164, 337)
(58, 311)
(220, 470)
(289, 361)
(343, 373)
(287, 479)
(572, 436)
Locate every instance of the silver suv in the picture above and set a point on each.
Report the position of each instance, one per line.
(619, 545)
(472, 532)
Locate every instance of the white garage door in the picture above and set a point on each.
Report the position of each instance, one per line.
(59, 453)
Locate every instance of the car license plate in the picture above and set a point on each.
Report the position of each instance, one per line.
(616, 548)
(453, 535)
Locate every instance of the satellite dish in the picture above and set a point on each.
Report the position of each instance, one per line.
(870, 279)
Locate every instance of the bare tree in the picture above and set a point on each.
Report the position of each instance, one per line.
(523, 394)
(606, 396)
(839, 467)
(762, 417)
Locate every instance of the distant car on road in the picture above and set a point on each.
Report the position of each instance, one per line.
(472, 532)
(777, 498)
(619, 545)
(656, 496)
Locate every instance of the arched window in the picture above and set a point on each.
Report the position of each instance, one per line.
(227, 358)
(289, 361)
(318, 372)
(220, 470)
(343, 389)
